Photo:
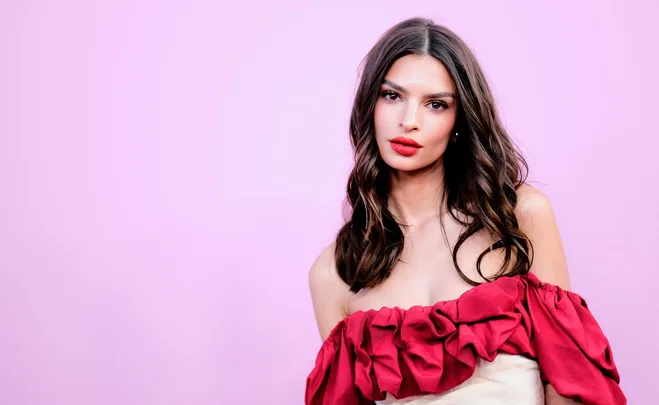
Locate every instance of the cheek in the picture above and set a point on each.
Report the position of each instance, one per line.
(379, 119)
(385, 118)
(438, 133)
(439, 126)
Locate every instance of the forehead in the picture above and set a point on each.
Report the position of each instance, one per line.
(420, 73)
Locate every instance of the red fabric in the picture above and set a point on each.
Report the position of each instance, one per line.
(429, 350)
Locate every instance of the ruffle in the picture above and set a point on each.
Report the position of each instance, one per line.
(432, 349)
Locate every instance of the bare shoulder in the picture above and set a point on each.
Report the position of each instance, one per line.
(322, 273)
(537, 220)
(532, 202)
(329, 294)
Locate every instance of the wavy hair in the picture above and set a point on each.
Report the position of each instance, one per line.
(483, 170)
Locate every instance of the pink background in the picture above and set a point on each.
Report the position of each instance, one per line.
(169, 171)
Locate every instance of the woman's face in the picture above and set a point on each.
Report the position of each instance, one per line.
(415, 113)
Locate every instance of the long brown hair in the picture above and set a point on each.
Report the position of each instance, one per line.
(483, 170)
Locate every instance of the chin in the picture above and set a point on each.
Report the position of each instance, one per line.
(404, 164)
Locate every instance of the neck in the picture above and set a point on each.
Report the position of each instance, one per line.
(416, 197)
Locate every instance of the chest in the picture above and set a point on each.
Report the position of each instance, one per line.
(426, 273)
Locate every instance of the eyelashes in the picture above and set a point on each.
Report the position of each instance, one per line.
(435, 105)
(386, 94)
(439, 105)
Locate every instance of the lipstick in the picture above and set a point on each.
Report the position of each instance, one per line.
(405, 146)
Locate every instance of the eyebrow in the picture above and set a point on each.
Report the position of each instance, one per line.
(400, 88)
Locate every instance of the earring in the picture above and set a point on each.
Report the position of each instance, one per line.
(455, 137)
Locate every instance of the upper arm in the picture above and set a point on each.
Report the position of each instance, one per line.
(552, 398)
(536, 219)
(328, 292)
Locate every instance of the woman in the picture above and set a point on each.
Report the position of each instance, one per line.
(448, 284)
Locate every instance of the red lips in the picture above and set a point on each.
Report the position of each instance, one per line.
(405, 146)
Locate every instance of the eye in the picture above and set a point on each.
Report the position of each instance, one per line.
(389, 95)
(438, 105)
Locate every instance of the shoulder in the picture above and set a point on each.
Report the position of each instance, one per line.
(532, 203)
(329, 294)
(534, 211)
(536, 219)
(323, 269)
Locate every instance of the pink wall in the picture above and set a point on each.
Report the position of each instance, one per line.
(169, 171)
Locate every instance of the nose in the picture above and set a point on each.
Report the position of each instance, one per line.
(410, 121)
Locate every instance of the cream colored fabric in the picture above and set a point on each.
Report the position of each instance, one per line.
(508, 380)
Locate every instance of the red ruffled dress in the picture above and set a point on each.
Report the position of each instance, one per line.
(431, 350)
